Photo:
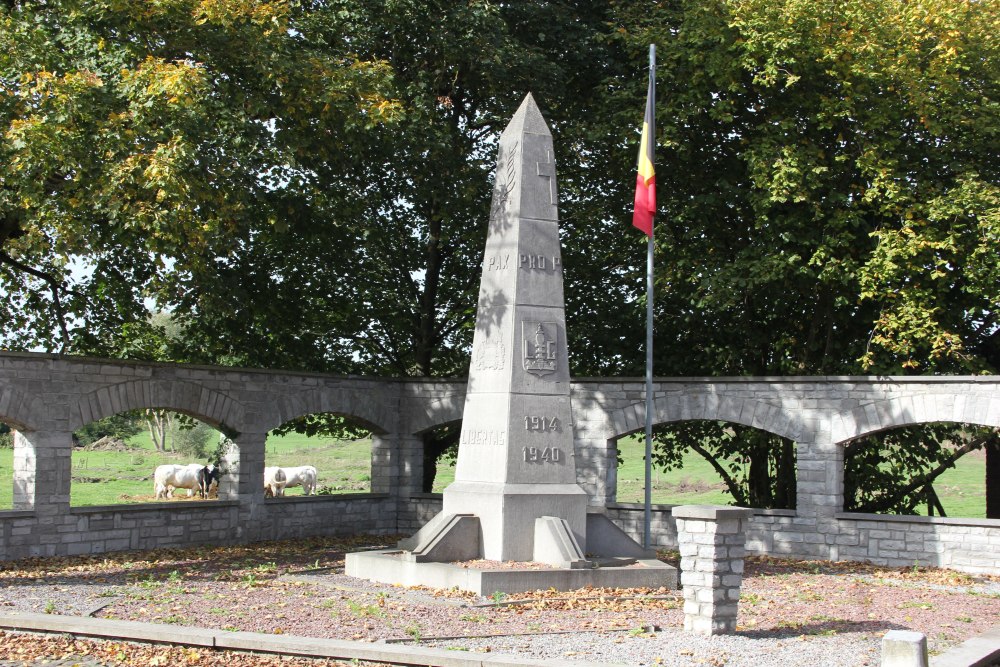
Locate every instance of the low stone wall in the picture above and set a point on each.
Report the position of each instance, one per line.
(92, 530)
(417, 510)
(967, 545)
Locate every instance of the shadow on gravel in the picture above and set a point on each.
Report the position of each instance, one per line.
(821, 629)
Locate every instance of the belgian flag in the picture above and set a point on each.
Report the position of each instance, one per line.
(645, 180)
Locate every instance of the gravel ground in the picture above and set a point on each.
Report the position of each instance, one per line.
(791, 612)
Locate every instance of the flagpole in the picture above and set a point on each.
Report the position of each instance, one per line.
(649, 336)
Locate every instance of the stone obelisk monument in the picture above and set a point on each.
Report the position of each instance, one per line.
(515, 457)
(515, 495)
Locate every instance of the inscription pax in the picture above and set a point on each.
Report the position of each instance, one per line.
(498, 262)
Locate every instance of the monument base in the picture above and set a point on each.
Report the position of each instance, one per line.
(612, 560)
(507, 513)
(390, 566)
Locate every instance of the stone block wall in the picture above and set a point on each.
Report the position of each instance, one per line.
(94, 530)
(46, 397)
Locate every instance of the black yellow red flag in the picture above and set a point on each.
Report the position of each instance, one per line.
(645, 180)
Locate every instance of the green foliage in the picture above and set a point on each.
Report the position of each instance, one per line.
(6, 437)
(758, 468)
(324, 424)
(154, 157)
(907, 462)
(122, 426)
(192, 439)
(828, 178)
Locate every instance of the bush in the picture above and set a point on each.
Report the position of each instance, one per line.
(192, 440)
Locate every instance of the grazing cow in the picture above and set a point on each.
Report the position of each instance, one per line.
(304, 476)
(172, 476)
(213, 475)
(274, 482)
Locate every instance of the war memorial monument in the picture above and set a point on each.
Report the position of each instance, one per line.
(515, 496)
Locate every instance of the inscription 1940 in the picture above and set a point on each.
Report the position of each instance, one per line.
(542, 454)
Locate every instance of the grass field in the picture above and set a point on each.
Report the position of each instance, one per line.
(111, 477)
(102, 477)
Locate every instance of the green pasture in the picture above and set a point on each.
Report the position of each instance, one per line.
(961, 489)
(112, 477)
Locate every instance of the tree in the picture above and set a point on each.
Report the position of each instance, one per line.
(907, 461)
(139, 141)
(828, 186)
(408, 217)
(306, 185)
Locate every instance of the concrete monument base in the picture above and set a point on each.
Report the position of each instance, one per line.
(507, 513)
(390, 566)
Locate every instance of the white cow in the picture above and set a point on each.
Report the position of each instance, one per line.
(275, 480)
(172, 476)
(304, 476)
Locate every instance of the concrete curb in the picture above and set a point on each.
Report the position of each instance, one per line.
(980, 651)
(309, 647)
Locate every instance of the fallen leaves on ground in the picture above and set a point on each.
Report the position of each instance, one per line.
(25, 647)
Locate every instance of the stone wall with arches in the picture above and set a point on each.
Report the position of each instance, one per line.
(820, 415)
(46, 397)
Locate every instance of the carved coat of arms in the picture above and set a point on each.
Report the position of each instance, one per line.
(540, 344)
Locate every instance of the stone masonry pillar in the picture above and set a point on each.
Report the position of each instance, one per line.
(411, 466)
(711, 540)
(819, 495)
(385, 463)
(42, 471)
(243, 480)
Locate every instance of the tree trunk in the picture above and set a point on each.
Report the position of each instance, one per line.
(158, 423)
(993, 476)
(435, 444)
(784, 483)
(759, 477)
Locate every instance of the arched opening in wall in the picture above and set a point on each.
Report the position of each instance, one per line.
(440, 453)
(6, 466)
(709, 462)
(323, 453)
(142, 456)
(937, 469)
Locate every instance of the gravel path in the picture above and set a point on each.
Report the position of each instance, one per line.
(791, 613)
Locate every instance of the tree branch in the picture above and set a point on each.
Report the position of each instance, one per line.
(881, 504)
(734, 488)
(54, 284)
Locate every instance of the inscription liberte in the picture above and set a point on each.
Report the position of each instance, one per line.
(502, 262)
(484, 437)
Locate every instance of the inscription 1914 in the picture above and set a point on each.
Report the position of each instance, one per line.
(542, 423)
